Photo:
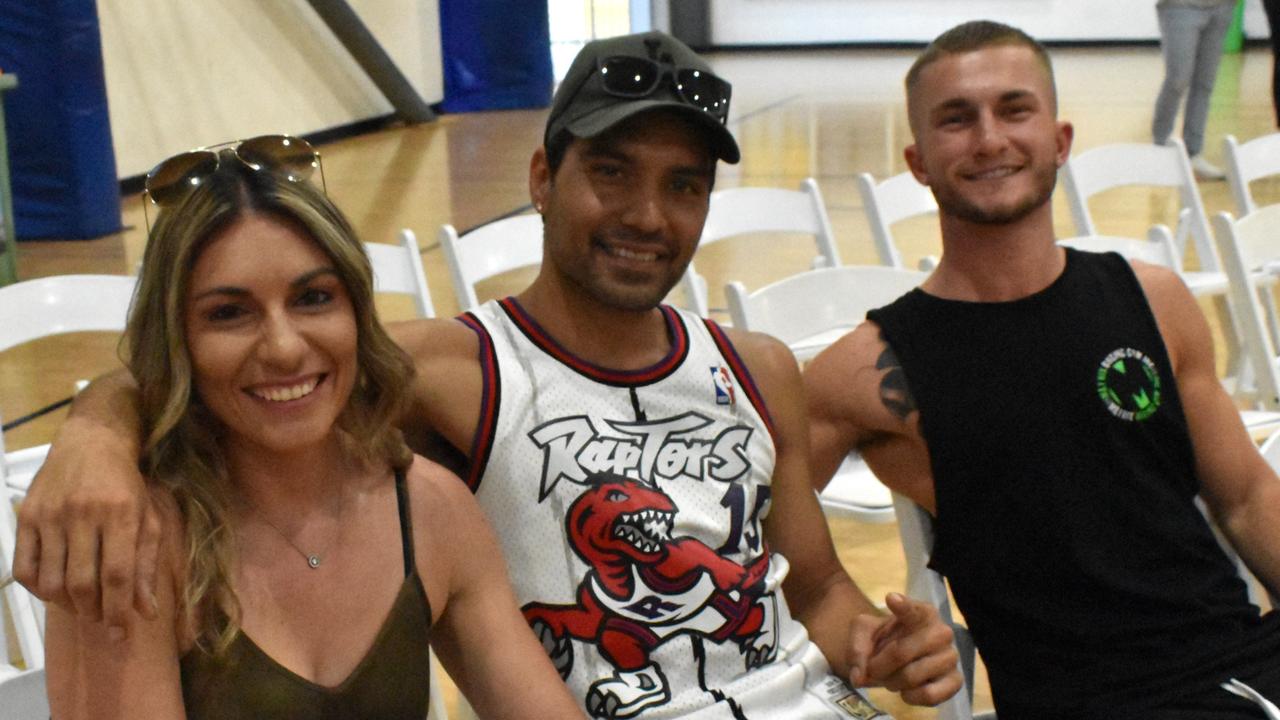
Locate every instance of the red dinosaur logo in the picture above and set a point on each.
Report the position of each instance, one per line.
(645, 587)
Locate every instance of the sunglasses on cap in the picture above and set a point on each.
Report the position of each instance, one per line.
(636, 77)
(170, 182)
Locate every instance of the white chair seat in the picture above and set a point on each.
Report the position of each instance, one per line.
(23, 694)
(808, 312)
(1205, 283)
(856, 491)
(807, 347)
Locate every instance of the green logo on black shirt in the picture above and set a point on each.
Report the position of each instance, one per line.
(1129, 384)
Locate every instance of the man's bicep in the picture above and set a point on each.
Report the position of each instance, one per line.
(1221, 444)
(856, 390)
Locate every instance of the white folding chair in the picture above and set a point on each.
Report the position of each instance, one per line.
(60, 304)
(1127, 164)
(1248, 247)
(899, 198)
(25, 611)
(1124, 164)
(741, 211)
(31, 310)
(51, 306)
(398, 269)
(915, 528)
(1257, 158)
(492, 249)
(808, 312)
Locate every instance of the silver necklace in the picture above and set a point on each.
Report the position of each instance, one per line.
(313, 558)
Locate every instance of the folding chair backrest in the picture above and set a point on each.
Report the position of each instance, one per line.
(1125, 164)
(398, 269)
(741, 211)
(1247, 245)
(57, 305)
(915, 528)
(1247, 162)
(899, 198)
(810, 310)
(489, 250)
(60, 304)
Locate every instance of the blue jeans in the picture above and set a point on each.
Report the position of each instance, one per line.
(1191, 41)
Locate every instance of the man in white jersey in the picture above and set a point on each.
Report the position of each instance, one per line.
(646, 471)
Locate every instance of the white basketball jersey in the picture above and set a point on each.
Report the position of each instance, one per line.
(629, 508)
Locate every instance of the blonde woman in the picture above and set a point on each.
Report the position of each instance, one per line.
(308, 556)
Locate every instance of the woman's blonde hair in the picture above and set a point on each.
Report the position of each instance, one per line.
(181, 448)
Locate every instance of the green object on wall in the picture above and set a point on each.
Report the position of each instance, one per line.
(1235, 32)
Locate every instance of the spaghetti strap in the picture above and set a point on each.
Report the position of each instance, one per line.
(406, 525)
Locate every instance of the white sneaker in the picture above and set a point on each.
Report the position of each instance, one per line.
(1205, 170)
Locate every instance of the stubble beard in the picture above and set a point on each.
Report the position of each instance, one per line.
(956, 205)
(617, 294)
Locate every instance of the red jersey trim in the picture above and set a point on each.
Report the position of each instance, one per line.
(490, 395)
(676, 331)
(743, 375)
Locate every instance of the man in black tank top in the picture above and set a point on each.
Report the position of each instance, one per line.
(1057, 412)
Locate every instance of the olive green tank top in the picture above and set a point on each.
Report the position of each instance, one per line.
(392, 680)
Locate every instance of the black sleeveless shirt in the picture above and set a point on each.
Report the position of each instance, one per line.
(392, 681)
(1065, 479)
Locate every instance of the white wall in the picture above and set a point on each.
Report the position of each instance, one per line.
(765, 22)
(185, 74)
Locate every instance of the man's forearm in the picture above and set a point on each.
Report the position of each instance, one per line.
(828, 612)
(1254, 530)
(107, 410)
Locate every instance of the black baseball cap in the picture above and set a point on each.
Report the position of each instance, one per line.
(660, 72)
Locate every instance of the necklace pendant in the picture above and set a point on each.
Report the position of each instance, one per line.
(313, 561)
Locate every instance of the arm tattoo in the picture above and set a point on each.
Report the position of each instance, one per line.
(894, 393)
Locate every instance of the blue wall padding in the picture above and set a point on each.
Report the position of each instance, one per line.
(497, 54)
(62, 163)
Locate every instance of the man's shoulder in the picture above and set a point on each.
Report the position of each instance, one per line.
(850, 380)
(434, 339)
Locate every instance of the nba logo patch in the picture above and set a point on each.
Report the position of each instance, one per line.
(723, 382)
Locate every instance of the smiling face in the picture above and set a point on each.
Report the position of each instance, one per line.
(988, 142)
(272, 335)
(624, 211)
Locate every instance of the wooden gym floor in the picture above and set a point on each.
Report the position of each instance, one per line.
(828, 114)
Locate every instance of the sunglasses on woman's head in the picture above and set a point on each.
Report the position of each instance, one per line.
(170, 182)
